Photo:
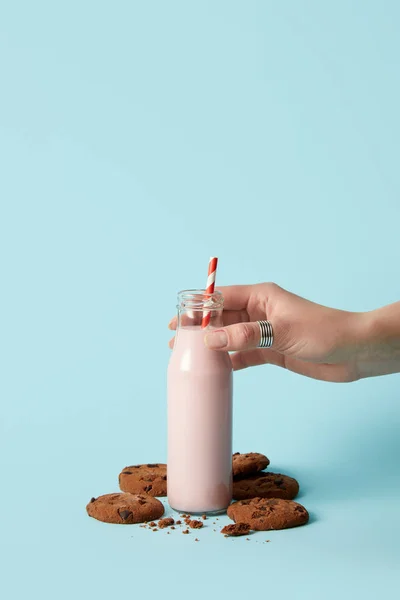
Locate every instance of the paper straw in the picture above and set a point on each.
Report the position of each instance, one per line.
(212, 269)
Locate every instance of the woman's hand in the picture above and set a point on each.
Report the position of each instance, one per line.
(309, 339)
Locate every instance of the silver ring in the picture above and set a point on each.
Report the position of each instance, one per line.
(266, 334)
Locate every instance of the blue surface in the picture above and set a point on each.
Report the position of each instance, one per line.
(137, 139)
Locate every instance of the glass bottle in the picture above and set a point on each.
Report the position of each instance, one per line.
(199, 411)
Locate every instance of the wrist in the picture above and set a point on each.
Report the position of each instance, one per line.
(379, 341)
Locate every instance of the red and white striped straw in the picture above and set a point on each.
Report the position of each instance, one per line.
(212, 269)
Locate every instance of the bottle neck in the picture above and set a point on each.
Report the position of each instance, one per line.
(194, 305)
(193, 319)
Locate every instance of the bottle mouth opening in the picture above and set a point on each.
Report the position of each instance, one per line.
(200, 300)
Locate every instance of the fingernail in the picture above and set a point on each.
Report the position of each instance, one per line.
(170, 323)
(216, 339)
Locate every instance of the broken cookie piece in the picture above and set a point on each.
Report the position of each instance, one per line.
(236, 529)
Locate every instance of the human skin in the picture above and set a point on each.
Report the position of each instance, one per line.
(309, 339)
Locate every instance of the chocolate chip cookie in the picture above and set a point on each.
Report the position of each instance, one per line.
(265, 485)
(263, 514)
(125, 509)
(150, 478)
(246, 464)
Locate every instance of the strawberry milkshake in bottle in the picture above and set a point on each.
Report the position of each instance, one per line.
(199, 410)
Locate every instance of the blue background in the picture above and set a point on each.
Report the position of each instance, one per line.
(136, 140)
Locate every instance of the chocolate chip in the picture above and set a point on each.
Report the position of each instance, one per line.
(92, 499)
(133, 467)
(127, 472)
(299, 509)
(125, 514)
(258, 513)
(152, 466)
(278, 482)
(164, 477)
(148, 488)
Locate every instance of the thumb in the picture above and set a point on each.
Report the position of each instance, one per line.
(242, 336)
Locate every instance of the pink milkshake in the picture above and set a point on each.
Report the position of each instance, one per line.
(199, 412)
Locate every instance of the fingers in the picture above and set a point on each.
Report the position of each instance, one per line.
(173, 323)
(236, 297)
(242, 336)
(230, 317)
(189, 319)
(253, 358)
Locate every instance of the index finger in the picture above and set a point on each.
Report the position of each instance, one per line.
(236, 297)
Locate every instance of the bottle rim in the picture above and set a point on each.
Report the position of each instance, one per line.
(200, 299)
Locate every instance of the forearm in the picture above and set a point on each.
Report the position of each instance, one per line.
(379, 350)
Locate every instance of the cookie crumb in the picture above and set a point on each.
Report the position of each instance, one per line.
(195, 524)
(179, 522)
(185, 531)
(204, 517)
(166, 522)
(196, 540)
(172, 527)
(236, 529)
(152, 524)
